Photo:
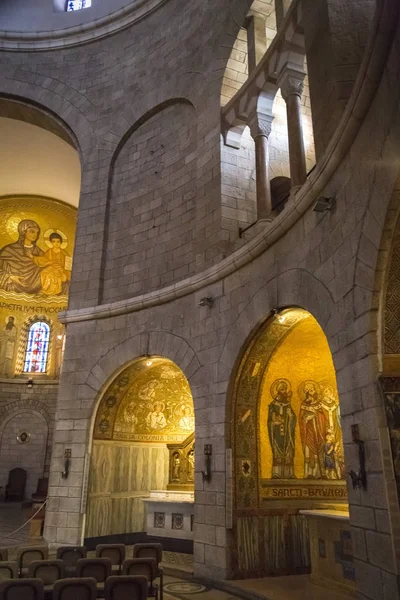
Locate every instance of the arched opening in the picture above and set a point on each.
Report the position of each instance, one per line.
(141, 479)
(287, 446)
(40, 178)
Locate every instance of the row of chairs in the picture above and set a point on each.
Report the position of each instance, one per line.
(117, 587)
(32, 562)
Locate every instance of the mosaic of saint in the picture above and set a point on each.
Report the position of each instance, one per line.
(36, 246)
(302, 438)
(147, 402)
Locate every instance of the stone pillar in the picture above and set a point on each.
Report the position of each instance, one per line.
(291, 83)
(281, 8)
(256, 40)
(260, 129)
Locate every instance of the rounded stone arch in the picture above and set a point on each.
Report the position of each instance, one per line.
(295, 287)
(158, 343)
(39, 456)
(143, 112)
(49, 110)
(9, 410)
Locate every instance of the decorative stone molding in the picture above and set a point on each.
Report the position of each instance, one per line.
(260, 124)
(25, 405)
(75, 36)
(291, 83)
(369, 76)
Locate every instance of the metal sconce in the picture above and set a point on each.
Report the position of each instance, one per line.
(206, 474)
(323, 204)
(208, 301)
(29, 383)
(67, 463)
(358, 478)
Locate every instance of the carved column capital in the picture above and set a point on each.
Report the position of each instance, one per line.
(260, 124)
(291, 82)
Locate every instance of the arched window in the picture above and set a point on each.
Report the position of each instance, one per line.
(78, 4)
(37, 348)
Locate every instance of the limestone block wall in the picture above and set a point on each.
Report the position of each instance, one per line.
(150, 236)
(31, 410)
(325, 263)
(29, 456)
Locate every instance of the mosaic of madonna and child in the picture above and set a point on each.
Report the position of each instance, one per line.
(36, 264)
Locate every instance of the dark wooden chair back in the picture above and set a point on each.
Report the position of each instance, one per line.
(124, 587)
(98, 568)
(8, 570)
(21, 589)
(148, 551)
(115, 552)
(75, 588)
(30, 553)
(71, 554)
(15, 488)
(46, 570)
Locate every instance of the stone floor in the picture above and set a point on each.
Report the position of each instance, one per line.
(179, 584)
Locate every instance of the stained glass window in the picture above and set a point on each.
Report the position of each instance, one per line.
(37, 348)
(78, 4)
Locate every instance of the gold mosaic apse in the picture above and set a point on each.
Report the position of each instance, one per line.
(36, 247)
(284, 376)
(299, 419)
(150, 401)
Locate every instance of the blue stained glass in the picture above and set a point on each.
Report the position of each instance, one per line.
(78, 4)
(37, 348)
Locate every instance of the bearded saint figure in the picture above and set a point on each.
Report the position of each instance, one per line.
(313, 427)
(281, 430)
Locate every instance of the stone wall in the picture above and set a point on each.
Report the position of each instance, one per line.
(31, 410)
(152, 207)
(325, 263)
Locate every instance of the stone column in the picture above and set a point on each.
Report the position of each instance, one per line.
(260, 129)
(291, 83)
(256, 40)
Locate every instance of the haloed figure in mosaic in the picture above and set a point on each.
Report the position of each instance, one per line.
(281, 430)
(312, 429)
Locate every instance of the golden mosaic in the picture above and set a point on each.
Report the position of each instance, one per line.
(149, 401)
(36, 246)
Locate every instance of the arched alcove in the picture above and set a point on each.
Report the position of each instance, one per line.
(287, 443)
(24, 440)
(152, 203)
(145, 410)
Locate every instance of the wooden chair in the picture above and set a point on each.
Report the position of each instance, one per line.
(124, 587)
(98, 568)
(29, 554)
(83, 588)
(70, 555)
(49, 571)
(151, 551)
(8, 570)
(15, 488)
(41, 490)
(145, 567)
(21, 589)
(115, 552)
